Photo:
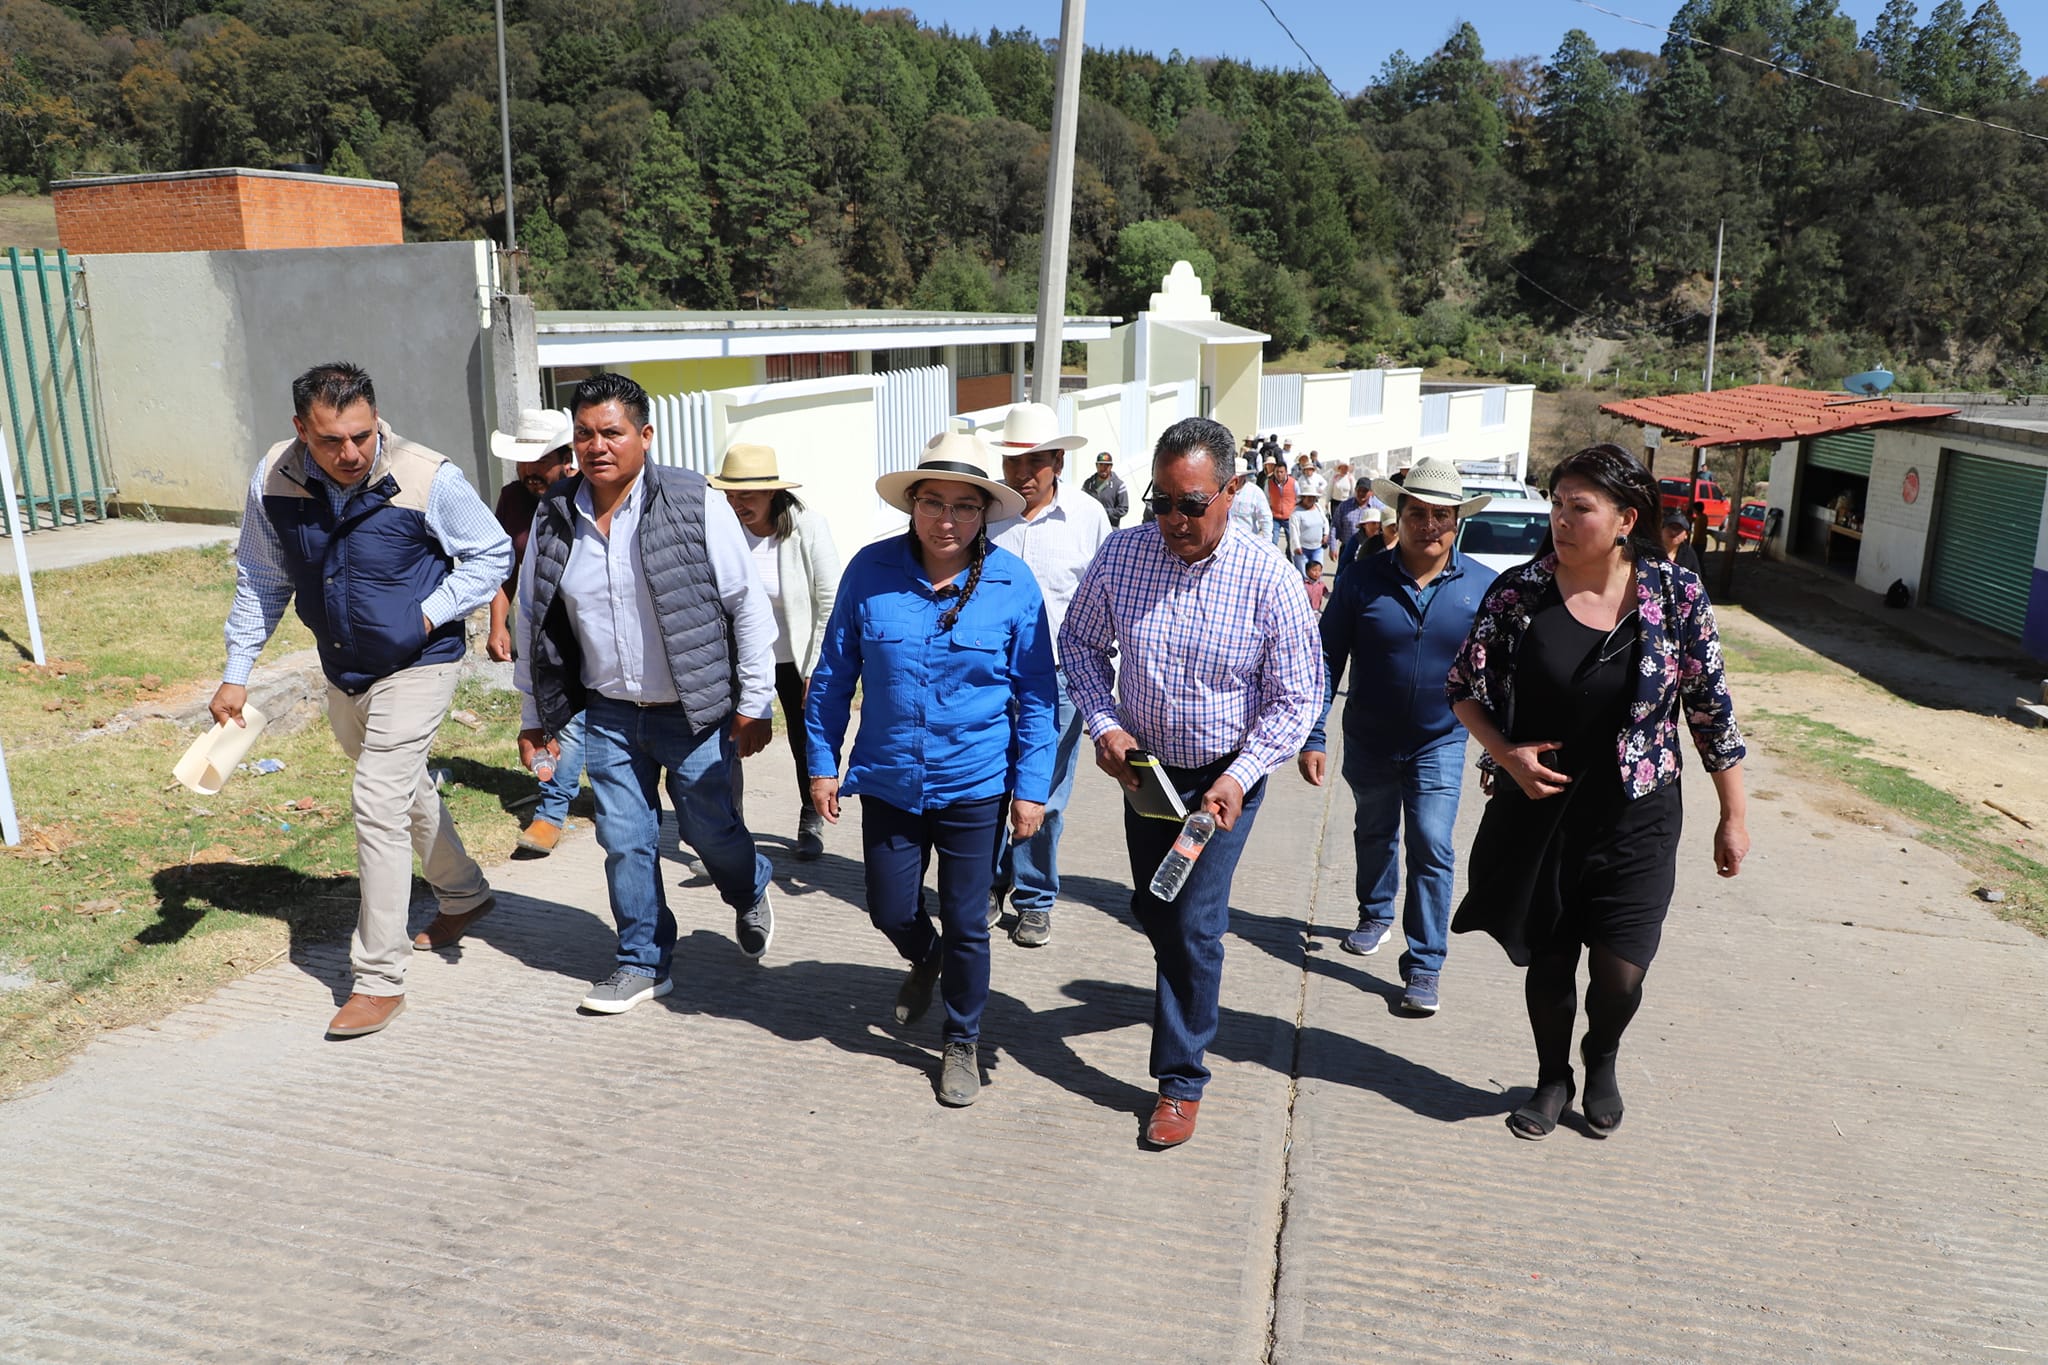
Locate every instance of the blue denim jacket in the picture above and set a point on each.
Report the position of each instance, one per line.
(1400, 649)
(935, 726)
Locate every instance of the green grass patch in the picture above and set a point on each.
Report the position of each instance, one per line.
(131, 894)
(1945, 822)
(1744, 656)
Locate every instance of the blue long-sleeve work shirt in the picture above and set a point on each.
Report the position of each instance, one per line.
(1400, 638)
(935, 722)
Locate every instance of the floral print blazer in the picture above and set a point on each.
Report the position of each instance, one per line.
(1679, 666)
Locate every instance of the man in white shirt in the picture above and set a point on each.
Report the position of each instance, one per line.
(640, 609)
(1058, 535)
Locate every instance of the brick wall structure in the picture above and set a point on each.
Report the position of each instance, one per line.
(229, 209)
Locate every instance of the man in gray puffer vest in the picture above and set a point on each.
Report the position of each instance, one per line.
(640, 609)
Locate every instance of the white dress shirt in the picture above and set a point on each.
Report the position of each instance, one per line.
(1059, 544)
(604, 590)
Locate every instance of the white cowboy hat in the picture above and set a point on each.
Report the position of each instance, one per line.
(750, 468)
(538, 431)
(1434, 481)
(1030, 428)
(961, 456)
(211, 760)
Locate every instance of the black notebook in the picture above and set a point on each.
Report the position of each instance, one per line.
(1155, 797)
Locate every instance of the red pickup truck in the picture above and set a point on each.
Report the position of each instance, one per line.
(1683, 493)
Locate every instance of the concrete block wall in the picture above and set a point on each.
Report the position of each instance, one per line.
(224, 210)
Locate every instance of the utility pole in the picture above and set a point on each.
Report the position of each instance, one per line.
(505, 142)
(1059, 209)
(515, 350)
(1714, 309)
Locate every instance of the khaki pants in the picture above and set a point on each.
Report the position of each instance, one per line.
(387, 732)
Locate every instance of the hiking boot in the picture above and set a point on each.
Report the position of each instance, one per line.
(540, 837)
(1032, 929)
(624, 989)
(960, 1075)
(755, 927)
(1368, 937)
(810, 835)
(1420, 997)
(914, 996)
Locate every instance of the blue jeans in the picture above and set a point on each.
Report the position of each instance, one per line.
(1031, 873)
(559, 790)
(1421, 792)
(1186, 935)
(897, 844)
(1311, 555)
(628, 748)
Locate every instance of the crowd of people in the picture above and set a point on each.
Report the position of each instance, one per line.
(655, 616)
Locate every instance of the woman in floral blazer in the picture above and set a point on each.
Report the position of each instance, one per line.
(1573, 680)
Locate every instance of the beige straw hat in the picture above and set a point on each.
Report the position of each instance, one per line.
(1030, 428)
(537, 432)
(750, 468)
(962, 456)
(1432, 480)
(210, 762)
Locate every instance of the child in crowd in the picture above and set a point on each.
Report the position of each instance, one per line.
(1318, 591)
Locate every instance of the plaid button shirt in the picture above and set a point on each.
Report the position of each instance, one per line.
(1219, 656)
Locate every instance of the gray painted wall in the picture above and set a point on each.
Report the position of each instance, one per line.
(197, 352)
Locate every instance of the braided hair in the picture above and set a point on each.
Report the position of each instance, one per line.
(977, 553)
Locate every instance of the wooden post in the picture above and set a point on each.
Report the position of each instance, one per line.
(1733, 534)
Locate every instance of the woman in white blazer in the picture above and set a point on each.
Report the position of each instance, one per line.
(799, 566)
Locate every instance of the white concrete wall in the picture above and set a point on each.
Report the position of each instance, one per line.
(1328, 428)
(197, 351)
(823, 432)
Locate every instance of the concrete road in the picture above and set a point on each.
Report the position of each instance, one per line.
(1836, 1090)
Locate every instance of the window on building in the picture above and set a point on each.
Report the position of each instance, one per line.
(905, 358)
(974, 362)
(783, 369)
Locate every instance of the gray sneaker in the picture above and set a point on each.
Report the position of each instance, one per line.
(755, 927)
(914, 996)
(960, 1075)
(624, 989)
(1032, 929)
(810, 835)
(996, 896)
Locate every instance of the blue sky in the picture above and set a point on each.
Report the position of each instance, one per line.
(1350, 38)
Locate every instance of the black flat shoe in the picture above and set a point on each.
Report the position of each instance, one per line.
(1537, 1119)
(1603, 1107)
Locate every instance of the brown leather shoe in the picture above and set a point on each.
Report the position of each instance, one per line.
(447, 929)
(540, 837)
(1172, 1122)
(365, 1014)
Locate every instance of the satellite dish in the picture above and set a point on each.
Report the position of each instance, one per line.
(1870, 383)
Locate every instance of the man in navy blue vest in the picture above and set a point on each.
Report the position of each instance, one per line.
(640, 609)
(386, 550)
(1399, 616)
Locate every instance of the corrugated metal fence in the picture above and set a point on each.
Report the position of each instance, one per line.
(911, 408)
(46, 362)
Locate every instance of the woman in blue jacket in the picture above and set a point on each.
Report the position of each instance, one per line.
(943, 632)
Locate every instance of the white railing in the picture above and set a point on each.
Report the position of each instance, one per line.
(1436, 414)
(1279, 401)
(1493, 407)
(1368, 393)
(911, 408)
(682, 431)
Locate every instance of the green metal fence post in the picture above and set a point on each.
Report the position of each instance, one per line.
(28, 358)
(66, 272)
(57, 390)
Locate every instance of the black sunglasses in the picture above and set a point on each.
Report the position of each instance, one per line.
(1190, 505)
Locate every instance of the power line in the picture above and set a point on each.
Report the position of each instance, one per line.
(1794, 71)
(1302, 50)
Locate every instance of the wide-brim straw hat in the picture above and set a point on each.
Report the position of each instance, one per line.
(537, 432)
(1434, 481)
(1030, 428)
(750, 468)
(961, 456)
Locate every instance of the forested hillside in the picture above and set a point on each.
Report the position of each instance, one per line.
(742, 153)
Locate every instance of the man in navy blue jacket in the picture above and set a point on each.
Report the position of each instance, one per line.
(1401, 613)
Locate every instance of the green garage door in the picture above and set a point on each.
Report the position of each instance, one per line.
(1847, 451)
(1988, 524)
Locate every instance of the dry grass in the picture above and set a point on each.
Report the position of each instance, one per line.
(28, 220)
(131, 895)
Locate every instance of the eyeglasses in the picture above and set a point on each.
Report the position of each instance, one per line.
(1190, 505)
(965, 513)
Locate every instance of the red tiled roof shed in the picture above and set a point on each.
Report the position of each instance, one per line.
(1765, 414)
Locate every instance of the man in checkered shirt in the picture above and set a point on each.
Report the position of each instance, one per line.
(1221, 677)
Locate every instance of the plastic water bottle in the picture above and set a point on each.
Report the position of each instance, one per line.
(543, 764)
(1194, 836)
